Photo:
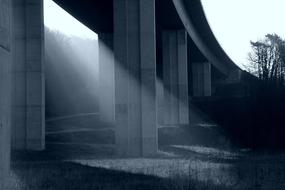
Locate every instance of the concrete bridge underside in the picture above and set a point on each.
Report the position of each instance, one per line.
(152, 40)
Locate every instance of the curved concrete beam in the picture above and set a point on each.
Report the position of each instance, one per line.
(192, 15)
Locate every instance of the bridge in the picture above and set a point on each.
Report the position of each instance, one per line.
(152, 41)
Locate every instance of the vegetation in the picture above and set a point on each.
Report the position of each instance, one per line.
(187, 160)
(150, 174)
(255, 119)
(267, 59)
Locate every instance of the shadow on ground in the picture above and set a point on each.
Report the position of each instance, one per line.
(193, 157)
(71, 176)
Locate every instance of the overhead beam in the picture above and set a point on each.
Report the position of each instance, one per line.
(195, 22)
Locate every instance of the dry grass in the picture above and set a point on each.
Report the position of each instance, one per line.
(151, 173)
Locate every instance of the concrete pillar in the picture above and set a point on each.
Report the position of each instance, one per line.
(170, 77)
(201, 73)
(183, 77)
(234, 76)
(175, 77)
(5, 89)
(160, 102)
(28, 109)
(135, 77)
(106, 79)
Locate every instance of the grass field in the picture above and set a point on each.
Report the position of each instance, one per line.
(151, 174)
(189, 159)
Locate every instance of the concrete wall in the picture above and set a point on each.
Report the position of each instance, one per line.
(28, 108)
(5, 88)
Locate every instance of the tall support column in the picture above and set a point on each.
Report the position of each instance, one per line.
(35, 116)
(28, 109)
(183, 77)
(175, 77)
(170, 77)
(106, 79)
(19, 76)
(201, 79)
(160, 102)
(135, 77)
(5, 89)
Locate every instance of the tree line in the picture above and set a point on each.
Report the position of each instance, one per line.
(267, 60)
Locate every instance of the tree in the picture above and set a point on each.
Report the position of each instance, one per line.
(267, 59)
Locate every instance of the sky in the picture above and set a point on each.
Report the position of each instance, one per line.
(236, 22)
(57, 18)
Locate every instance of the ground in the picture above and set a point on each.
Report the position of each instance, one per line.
(190, 157)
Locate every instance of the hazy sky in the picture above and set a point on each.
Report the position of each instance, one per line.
(236, 22)
(58, 19)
